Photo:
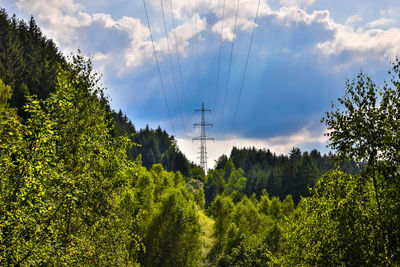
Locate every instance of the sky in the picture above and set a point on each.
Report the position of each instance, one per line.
(301, 54)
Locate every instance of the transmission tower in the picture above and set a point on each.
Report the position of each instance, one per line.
(203, 137)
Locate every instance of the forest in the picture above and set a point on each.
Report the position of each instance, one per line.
(81, 186)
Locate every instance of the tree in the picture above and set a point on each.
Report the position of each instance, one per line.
(11, 51)
(174, 234)
(229, 167)
(220, 162)
(264, 203)
(366, 131)
(287, 205)
(196, 172)
(298, 174)
(236, 182)
(295, 154)
(214, 185)
(257, 180)
(336, 226)
(275, 208)
(60, 171)
(220, 210)
(246, 217)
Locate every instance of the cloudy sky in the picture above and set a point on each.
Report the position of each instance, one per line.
(301, 54)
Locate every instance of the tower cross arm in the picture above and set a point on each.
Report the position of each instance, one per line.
(203, 124)
(202, 138)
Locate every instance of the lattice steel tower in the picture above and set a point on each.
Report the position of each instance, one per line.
(203, 137)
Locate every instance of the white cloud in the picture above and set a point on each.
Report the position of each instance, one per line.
(379, 23)
(140, 46)
(353, 19)
(184, 10)
(297, 3)
(62, 19)
(184, 33)
(363, 44)
(290, 15)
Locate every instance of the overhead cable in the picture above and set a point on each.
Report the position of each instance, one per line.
(158, 67)
(244, 74)
(219, 58)
(172, 68)
(229, 66)
(197, 48)
(177, 53)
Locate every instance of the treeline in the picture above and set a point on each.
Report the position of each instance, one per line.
(155, 146)
(29, 62)
(280, 176)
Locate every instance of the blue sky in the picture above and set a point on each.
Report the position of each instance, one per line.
(302, 52)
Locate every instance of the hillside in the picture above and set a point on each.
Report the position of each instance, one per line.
(81, 186)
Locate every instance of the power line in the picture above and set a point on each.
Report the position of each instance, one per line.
(177, 53)
(244, 74)
(196, 47)
(219, 58)
(172, 68)
(158, 66)
(229, 67)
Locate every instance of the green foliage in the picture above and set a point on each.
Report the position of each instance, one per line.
(365, 129)
(275, 208)
(248, 232)
(246, 217)
(60, 171)
(173, 237)
(236, 182)
(29, 62)
(265, 203)
(220, 162)
(5, 95)
(122, 125)
(287, 205)
(155, 146)
(282, 175)
(67, 182)
(356, 131)
(214, 185)
(68, 193)
(229, 167)
(196, 188)
(244, 255)
(257, 180)
(197, 172)
(220, 210)
(298, 174)
(337, 225)
(166, 216)
(352, 219)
